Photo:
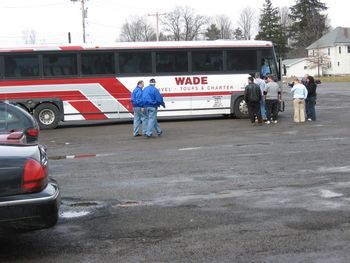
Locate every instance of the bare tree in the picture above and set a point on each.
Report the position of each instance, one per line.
(184, 24)
(172, 24)
(137, 30)
(318, 59)
(224, 24)
(29, 36)
(284, 15)
(246, 22)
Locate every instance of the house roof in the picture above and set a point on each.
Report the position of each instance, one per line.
(340, 35)
(293, 61)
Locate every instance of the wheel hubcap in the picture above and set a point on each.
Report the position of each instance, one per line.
(47, 116)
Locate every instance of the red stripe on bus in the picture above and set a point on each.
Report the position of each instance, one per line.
(112, 85)
(75, 98)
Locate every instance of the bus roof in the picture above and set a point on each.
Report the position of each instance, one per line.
(144, 45)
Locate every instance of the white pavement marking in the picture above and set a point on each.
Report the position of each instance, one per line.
(330, 194)
(74, 214)
(190, 149)
(339, 169)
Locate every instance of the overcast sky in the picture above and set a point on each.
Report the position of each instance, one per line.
(53, 19)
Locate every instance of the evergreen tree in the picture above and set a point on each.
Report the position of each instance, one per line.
(238, 34)
(271, 28)
(212, 33)
(308, 22)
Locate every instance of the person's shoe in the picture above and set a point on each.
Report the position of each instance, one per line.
(160, 134)
(309, 119)
(267, 122)
(137, 135)
(275, 121)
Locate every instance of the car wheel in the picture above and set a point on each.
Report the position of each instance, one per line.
(47, 115)
(240, 108)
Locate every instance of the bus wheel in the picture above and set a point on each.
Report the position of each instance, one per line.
(240, 108)
(47, 115)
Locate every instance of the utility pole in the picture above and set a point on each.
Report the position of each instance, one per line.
(157, 22)
(83, 16)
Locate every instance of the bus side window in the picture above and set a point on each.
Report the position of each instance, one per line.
(136, 62)
(171, 61)
(97, 63)
(242, 60)
(60, 64)
(21, 66)
(207, 60)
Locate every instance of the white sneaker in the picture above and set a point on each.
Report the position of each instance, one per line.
(267, 122)
(309, 119)
(275, 121)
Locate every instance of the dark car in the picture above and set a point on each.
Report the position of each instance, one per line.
(13, 118)
(29, 200)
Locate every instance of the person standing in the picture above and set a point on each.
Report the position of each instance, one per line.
(299, 92)
(252, 96)
(272, 96)
(265, 69)
(137, 104)
(152, 100)
(311, 98)
(258, 80)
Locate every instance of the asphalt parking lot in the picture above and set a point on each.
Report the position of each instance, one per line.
(208, 190)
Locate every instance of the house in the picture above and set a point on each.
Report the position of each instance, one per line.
(332, 52)
(298, 67)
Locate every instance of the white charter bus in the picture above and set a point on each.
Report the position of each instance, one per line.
(66, 83)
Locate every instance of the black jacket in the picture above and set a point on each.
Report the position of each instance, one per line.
(252, 93)
(311, 89)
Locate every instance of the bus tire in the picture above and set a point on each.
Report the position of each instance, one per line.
(47, 116)
(240, 109)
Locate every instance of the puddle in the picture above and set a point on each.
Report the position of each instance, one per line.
(71, 208)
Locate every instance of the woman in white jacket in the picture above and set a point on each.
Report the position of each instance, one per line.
(299, 93)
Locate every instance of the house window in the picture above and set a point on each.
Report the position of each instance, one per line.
(338, 64)
(329, 51)
(339, 50)
(348, 49)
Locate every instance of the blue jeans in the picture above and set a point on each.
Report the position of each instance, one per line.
(310, 103)
(151, 112)
(139, 117)
(263, 109)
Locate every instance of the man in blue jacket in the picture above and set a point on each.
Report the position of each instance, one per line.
(152, 99)
(139, 115)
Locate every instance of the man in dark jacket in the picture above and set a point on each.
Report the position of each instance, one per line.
(152, 99)
(252, 96)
